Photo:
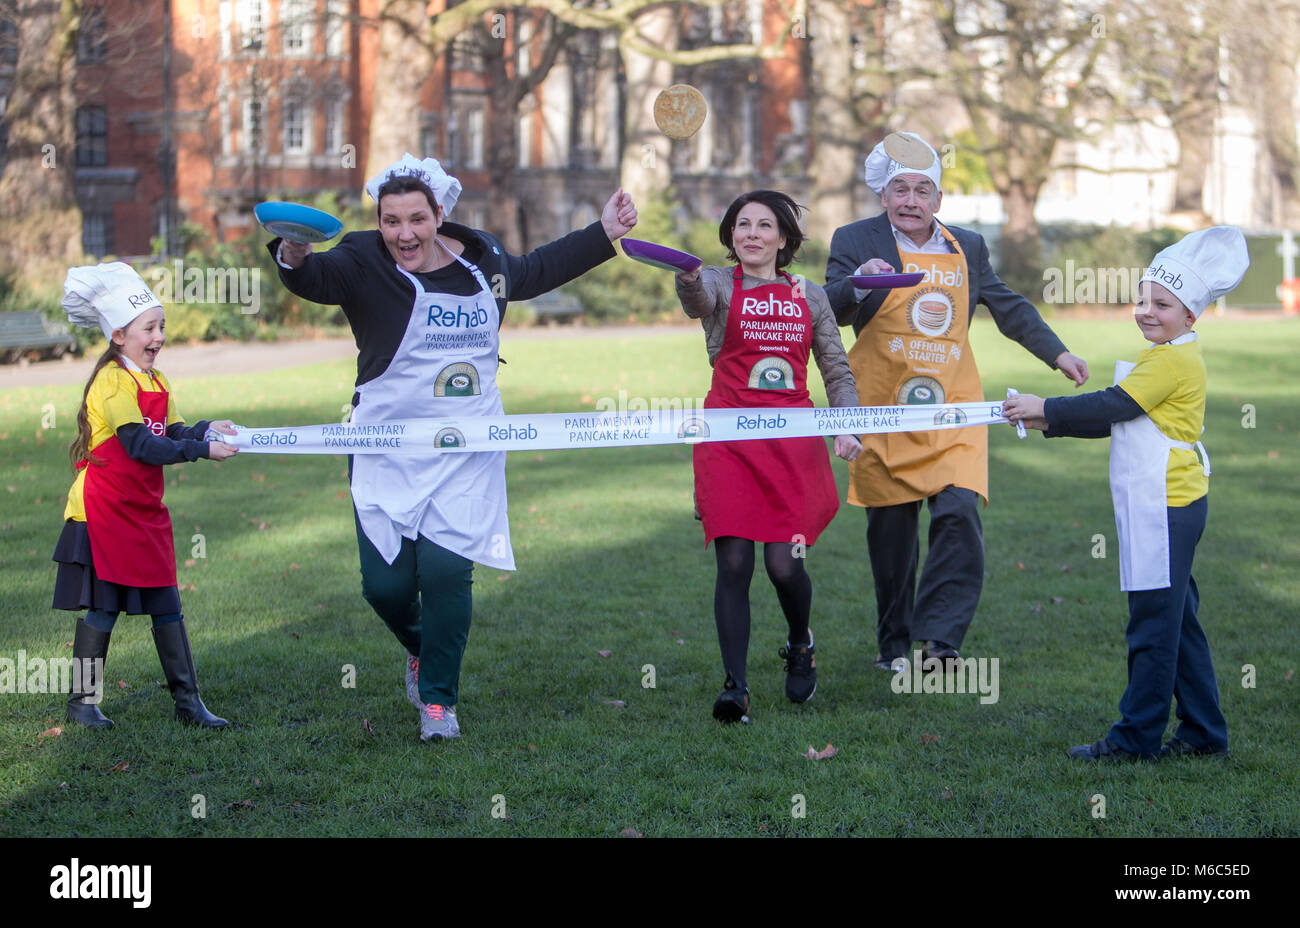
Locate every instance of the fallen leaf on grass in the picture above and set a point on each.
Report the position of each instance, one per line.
(1289, 674)
(605, 653)
(1036, 607)
(50, 733)
(119, 767)
(1020, 565)
(123, 685)
(630, 833)
(929, 739)
(190, 562)
(245, 804)
(824, 754)
(1065, 568)
(946, 794)
(295, 634)
(365, 723)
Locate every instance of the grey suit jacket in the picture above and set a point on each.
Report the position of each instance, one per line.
(865, 239)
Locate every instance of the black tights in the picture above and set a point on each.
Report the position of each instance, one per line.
(731, 596)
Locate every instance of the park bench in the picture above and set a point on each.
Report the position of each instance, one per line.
(23, 333)
(554, 307)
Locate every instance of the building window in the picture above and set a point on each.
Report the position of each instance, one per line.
(469, 141)
(429, 139)
(252, 23)
(336, 24)
(466, 55)
(96, 232)
(254, 114)
(92, 136)
(92, 37)
(295, 26)
(334, 126)
(295, 127)
(8, 41)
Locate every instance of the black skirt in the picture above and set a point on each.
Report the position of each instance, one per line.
(77, 588)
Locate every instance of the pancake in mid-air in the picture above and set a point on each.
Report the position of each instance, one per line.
(680, 111)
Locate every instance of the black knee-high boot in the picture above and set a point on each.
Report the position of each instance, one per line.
(173, 644)
(88, 646)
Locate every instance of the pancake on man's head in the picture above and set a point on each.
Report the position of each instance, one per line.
(908, 151)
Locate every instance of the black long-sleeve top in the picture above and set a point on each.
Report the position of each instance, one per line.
(1088, 415)
(359, 275)
(181, 443)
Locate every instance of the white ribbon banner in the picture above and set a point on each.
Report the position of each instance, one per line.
(551, 431)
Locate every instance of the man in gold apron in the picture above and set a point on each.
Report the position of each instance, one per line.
(913, 348)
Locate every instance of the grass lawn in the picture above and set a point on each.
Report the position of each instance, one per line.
(559, 740)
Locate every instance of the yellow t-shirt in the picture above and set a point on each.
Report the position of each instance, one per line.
(110, 404)
(1169, 384)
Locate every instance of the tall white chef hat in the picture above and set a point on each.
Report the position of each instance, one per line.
(901, 153)
(446, 189)
(1201, 267)
(106, 295)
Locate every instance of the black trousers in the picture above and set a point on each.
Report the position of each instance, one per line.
(942, 607)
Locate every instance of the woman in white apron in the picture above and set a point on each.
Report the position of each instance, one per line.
(1154, 416)
(425, 298)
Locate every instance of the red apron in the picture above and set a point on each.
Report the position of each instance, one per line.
(130, 529)
(775, 490)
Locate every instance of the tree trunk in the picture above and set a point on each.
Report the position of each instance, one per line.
(1277, 113)
(503, 143)
(38, 202)
(1020, 253)
(405, 60)
(1195, 141)
(832, 123)
(645, 169)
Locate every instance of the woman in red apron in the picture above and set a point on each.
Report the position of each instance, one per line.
(115, 552)
(760, 328)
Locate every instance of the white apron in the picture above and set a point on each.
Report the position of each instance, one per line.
(1139, 465)
(445, 366)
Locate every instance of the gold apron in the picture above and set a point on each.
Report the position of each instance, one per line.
(915, 350)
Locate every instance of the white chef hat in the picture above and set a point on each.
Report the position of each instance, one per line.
(901, 153)
(109, 296)
(446, 189)
(1202, 266)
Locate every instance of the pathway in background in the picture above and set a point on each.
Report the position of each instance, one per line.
(208, 359)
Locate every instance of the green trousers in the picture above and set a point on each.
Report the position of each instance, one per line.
(424, 597)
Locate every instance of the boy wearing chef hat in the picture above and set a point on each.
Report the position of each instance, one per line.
(1154, 416)
(115, 553)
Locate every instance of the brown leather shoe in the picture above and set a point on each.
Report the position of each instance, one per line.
(937, 655)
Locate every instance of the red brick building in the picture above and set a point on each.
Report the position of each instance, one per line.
(193, 110)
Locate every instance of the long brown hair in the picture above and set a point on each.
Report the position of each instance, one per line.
(79, 450)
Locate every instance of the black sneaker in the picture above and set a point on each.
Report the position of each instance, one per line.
(800, 670)
(733, 704)
(1177, 747)
(1101, 750)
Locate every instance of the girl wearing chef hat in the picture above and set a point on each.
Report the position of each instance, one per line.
(115, 552)
(1154, 416)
